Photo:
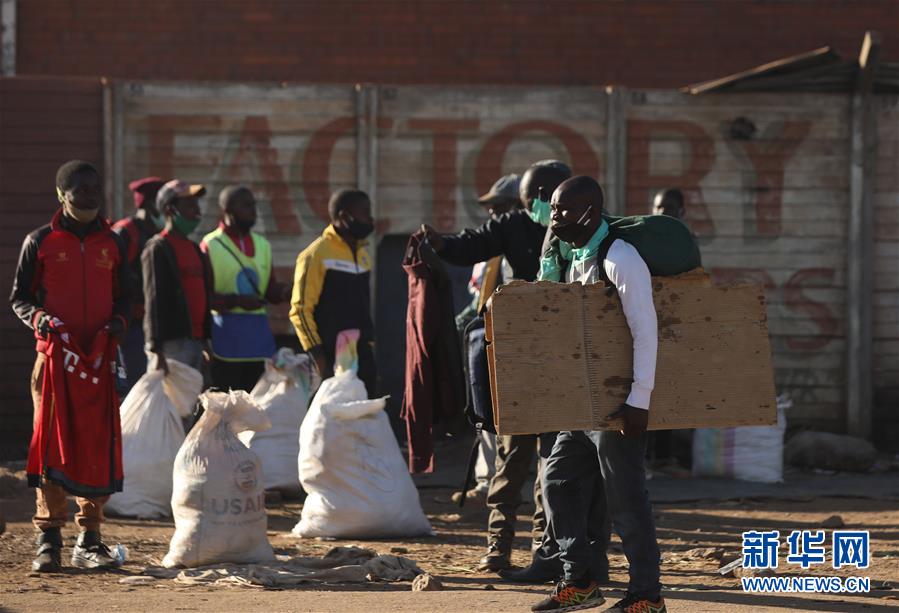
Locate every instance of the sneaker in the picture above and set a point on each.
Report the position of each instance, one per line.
(90, 552)
(566, 596)
(638, 604)
(49, 552)
(496, 559)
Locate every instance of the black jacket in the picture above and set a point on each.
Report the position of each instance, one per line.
(167, 315)
(513, 235)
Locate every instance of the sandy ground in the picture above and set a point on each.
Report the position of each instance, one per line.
(691, 581)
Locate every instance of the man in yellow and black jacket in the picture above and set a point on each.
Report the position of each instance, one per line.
(331, 287)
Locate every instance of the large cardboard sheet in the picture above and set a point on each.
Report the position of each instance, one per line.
(561, 356)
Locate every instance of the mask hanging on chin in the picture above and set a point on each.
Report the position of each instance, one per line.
(570, 232)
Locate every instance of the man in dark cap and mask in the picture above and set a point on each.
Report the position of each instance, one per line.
(517, 236)
(135, 230)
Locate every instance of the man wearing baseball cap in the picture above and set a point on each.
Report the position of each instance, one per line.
(502, 197)
(499, 200)
(512, 240)
(135, 230)
(177, 280)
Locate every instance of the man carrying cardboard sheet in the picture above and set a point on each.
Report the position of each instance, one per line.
(588, 257)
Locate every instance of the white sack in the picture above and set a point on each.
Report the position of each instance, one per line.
(218, 499)
(282, 393)
(748, 453)
(152, 433)
(352, 468)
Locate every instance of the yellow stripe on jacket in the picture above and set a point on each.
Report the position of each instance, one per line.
(328, 264)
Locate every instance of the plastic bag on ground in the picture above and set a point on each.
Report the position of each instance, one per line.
(152, 433)
(351, 466)
(282, 393)
(218, 499)
(748, 453)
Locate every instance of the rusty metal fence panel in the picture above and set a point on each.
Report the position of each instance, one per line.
(290, 144)
(439, 148)
(766, 178)
(766, 183)
(886, 267)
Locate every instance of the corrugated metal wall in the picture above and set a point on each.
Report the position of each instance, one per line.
(772, 209)
(886, 271)
(43, 123)
(291, 145)
(439, 148)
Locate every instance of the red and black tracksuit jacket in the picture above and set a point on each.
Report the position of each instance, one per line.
(134, 234)
(82, 280)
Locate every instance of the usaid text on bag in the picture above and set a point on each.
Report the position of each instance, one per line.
(218, 499)
(561, 355)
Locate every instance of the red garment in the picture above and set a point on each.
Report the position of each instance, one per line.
(434, 373)
(77, 280)
(77, 440)
(244, 242)
(190, 268)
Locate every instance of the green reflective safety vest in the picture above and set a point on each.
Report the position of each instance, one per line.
(240, 335)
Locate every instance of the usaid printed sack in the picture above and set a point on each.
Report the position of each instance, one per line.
(218, 499)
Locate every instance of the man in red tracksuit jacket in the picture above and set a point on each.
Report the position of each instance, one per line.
(135, 230)
(71, 284)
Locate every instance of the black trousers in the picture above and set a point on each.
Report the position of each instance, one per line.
(618, 461)
(236, 375)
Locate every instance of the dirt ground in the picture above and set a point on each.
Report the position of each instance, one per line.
(689, 533)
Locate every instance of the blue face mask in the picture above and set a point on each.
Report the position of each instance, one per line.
(540, 212)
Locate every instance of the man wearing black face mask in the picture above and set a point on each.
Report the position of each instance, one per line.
(331, 287)
(589, 254)
(243, 283)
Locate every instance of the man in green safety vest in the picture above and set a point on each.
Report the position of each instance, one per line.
(243, 284)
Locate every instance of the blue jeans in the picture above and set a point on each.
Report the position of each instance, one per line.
(577, 456)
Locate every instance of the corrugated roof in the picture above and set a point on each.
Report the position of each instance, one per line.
(821, 70)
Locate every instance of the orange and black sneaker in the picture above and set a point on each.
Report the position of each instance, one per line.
(639, 604)
(567, 596)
